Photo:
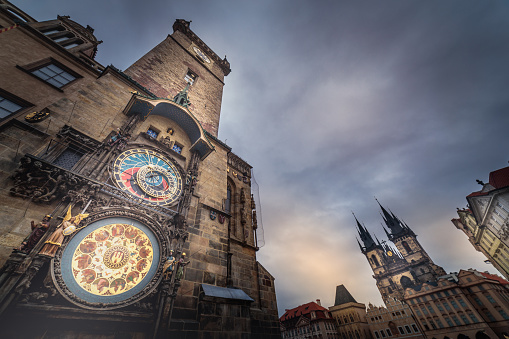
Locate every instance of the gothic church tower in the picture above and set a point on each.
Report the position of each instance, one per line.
(397, 268)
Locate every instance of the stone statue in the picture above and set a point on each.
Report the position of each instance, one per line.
(38, 230)
(180, 269)
(169, 266)
(67, 227)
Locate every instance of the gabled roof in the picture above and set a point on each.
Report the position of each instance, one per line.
(302, 310)
(494, 277)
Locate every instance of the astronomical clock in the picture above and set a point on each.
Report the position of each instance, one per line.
(114, 260)
(127, 177)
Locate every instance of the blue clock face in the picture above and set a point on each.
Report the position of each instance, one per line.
(148, 175)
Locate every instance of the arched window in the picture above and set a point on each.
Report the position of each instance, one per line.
(375, 260)
(228, 201)
(406, 282)
(351, 318)
(406, 247)
(389, 289)
(422, 271)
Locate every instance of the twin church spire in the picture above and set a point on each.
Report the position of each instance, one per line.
(397, 229)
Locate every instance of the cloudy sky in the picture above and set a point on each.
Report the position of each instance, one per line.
(335, 102)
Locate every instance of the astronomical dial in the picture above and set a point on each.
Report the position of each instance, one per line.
(148, 175)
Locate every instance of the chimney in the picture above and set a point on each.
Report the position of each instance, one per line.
(318, 302)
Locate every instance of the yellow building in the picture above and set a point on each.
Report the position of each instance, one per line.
(484, 240)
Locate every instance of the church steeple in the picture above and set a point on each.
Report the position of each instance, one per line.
(392, 222)
(365, 236)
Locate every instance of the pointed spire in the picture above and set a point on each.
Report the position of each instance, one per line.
(364, 234)
(390, 220)
(360, 246)
(377, 241)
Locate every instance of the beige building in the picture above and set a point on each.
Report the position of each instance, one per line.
(151, 227)
(484, 240)
(469, 304)
(310, 320)
(350, 315)
(489, 229)
(393, 321)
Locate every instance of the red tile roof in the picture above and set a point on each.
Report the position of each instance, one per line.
(495, 277)
(474, 194)
(500, 178)
(302, 310)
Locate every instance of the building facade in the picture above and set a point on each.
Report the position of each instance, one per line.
(350, 315)
(490, 208)
(397, 268)
(149, 224)
(393, 321)
(469, 304)
(484, 240)
(310, 320)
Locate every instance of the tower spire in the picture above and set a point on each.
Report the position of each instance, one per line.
(364, 234)
(391, 220)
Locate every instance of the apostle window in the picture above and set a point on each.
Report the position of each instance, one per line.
(177, 148)
(152, 132)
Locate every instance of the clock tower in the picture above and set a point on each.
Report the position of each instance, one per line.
(397, 267)
(149, 226)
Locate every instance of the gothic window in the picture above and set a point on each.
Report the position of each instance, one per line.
(375, 260)
(389, 289)
(68, 158)
(422, 272)
(190, 77)
(405, 282)
(406, 247)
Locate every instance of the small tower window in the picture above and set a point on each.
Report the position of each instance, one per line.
(406, 247)
(375, 260)
(190, 77)
(228, 201)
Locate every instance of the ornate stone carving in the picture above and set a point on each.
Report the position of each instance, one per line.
(43, 182)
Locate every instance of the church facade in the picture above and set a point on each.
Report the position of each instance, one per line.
(395, 269)
(149, 225)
